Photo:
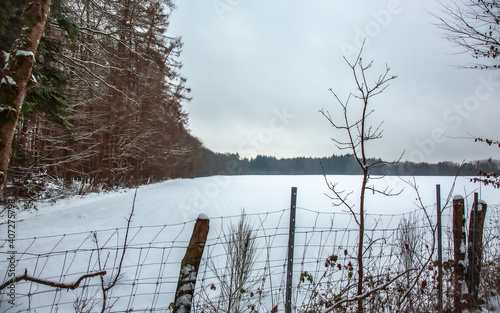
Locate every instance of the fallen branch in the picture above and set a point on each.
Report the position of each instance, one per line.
(40, 281)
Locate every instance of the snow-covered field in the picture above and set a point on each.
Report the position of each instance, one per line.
(163, 219)
(182, 200)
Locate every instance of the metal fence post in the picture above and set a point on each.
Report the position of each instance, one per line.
(440, 249)
(291, 245)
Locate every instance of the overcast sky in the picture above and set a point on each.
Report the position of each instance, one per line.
(260, 72)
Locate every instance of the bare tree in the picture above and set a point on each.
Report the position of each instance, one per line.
(473, 25)
(16, 79)
(358, 133)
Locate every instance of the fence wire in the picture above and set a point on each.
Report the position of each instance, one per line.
(324, 262)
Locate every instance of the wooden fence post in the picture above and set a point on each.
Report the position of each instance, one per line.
(459, 249)
(475, 249)
(190, 265)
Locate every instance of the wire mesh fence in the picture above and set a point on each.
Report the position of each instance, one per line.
(325, 264)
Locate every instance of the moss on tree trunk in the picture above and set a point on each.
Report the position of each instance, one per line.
(16, 78)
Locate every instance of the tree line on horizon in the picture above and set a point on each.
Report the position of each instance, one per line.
(233, 164)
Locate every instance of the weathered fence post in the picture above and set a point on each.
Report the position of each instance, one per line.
(440, 249)
(459, 249)
(291, 244)
(190, 265)
(475, 249)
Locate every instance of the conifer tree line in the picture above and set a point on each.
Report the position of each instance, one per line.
(233, 164)
(108, 104)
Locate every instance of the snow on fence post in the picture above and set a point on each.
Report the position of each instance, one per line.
(291, 246)
(190, 265)
(440, 249)
(475, 249)
(459, 249)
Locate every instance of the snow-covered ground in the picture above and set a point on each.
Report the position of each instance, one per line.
(182, 200)
(177, 202)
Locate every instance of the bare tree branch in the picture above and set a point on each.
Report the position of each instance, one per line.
(473, 26)
(367, 293)
(49, 283)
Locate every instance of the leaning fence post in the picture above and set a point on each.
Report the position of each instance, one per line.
(475, 249)
(459, 249)
(291, 244)
(190, 265)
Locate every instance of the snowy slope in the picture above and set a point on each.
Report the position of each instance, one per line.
(184, 199)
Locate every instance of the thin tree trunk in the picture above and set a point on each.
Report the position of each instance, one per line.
(361, 241)
(364, 165)
(16, 79)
